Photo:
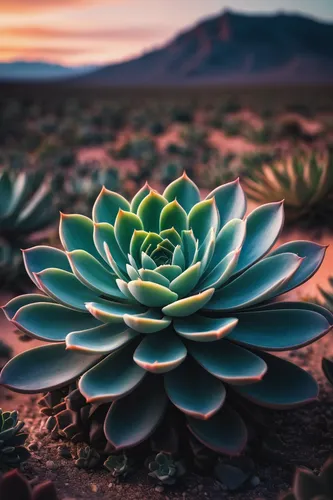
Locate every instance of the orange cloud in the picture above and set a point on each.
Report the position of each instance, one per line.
(20, 6)
(41, 33)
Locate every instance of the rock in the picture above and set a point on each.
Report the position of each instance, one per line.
(255, 481)
(159, 488)
(50, 464)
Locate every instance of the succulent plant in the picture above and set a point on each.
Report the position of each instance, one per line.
(308, 486)
(165, 469)
(72, 418)
(14, 486)
(118, 465)
(326, 296)
(25, 208)
(154, 301)
(305, 183)
(88, 458)
(12, 439)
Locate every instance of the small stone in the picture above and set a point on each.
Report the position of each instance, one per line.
(159, 488)
(93, 487)
(255, 481)
(50, 465)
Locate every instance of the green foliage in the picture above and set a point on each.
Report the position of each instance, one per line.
(308, 486)
(305, 183)
(88, 458)
(169, 301)
(165, 469)
(14, 486)
(12, 439)
(118, 465)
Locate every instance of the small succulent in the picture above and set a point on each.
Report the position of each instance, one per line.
(12, 439)
(88, 458)
(14, 486)
(118, 465)
(25, 208)
(305, 183)
(154, 301)
(165, 469)
(72, 418)
(308, 486)
(326, 296)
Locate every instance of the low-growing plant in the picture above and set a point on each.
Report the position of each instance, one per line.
(305, 183)
(308, 486)
(12, 439)
(14, 486)
(154, 301)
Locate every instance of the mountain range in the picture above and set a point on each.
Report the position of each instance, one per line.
(231, 48)
(38, 70)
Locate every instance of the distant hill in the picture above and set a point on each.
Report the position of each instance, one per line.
(232, 48)
(36, 70)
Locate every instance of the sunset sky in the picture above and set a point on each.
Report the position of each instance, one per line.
(77, 32)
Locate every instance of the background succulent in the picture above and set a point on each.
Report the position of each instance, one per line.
(326, 295)
(169, 299)
(12, 439)
(88, 458)
(308, 486)
(118, 465)
(14, 486)
(304, 182)
(25, 208)
(165, 469)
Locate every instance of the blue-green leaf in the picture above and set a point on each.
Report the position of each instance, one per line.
(259, 283)
(203, 329)
(140, 195)
(285, 385)
(102, 339)
(112, 312)
(112, 378)
(107, 206)
(149, 322)
(202, 218)
(229, 239)
(184, 191)
(104, 233)
(150, 210)
(151, 294)
(187, 387)
(230, 201)
(160, 353)
(149, 401)
(42, 257)
(45, 368)
(185, 282)
(189, 305)
(125, 225)
(51, 322)
(263, 227)
(11, 308)
(173, 216)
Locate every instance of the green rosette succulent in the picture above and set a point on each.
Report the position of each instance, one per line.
(169, 299)
(12, 439)
(25, 208)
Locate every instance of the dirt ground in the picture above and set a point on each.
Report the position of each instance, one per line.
(306, 435)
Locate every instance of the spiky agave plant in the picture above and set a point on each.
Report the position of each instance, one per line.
(304, 182)
(25, 208)
(169, 299)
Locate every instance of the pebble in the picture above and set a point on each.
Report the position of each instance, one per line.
(159, 488)
(50, 464)
(93, 487)
(255, 481)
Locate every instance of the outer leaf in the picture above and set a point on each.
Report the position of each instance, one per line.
(51, 322)
(307, 306)
(263, 227)
(202, 218)
(11, 308)
(184, 191)
(93, 275)
(107, 206)
(261, 282)
(187, 386)
(112, 312)
(224, 433)
(65, 288)
(279, 330)
(313, 255)
(229, 362)
(160, 353)
(101, 339)
(41, 257)
(112, 378)
(284, 386)
(230, 201)
(44, 368)
(149, 401)
(230, 238)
